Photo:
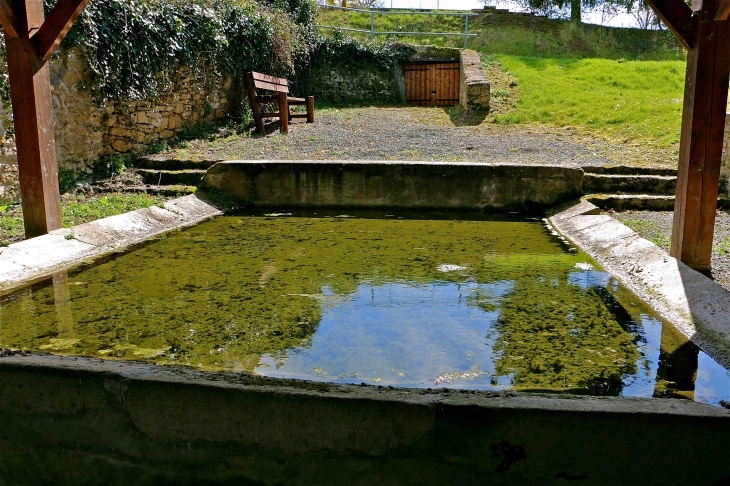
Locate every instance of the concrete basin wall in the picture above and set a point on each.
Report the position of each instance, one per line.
(395, 184)
(66, 420)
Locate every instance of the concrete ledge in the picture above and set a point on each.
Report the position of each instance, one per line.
(396, 184)
(35, 258)
(697, 306)
(67, 420)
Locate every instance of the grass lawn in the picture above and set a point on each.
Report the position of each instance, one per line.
(76, 210)
(624, 85)
(626, 100)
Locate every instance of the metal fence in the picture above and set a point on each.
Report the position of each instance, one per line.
(374, 32)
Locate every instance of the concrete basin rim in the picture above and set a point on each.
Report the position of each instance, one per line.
(127, 372)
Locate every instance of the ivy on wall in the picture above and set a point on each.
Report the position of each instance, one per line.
(133, 47)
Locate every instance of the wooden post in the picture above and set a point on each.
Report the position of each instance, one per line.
(29, 42)
(703, 122)
(30, 93)
(283, 113)
(310, 109)
(700, 152)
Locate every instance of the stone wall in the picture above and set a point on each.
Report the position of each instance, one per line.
(337, 83)
(474, 88)
(86, 131)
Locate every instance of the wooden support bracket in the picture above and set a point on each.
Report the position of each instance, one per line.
(56, 26)
(8, 20)
(723, 10)
(29, 42)
(678, 18)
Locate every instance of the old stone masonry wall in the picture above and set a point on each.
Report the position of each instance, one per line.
(337, 83)
(86, 131)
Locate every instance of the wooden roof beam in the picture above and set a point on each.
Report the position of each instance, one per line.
(723, 10)
(678, 18)
(56, 26)
(7, 18)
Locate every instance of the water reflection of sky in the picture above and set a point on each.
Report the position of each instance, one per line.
(399, 334)
(428, 336)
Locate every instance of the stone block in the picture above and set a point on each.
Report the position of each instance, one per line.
(174, 122)
(121, 145)
(474, 88)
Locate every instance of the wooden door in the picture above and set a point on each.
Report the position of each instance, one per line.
(433, 84)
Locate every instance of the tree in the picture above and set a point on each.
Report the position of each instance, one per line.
(644, 15)
(568, 8)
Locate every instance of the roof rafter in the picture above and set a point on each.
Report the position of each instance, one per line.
(723, 10)
(56, 26)
(678, 18)
(7, 18)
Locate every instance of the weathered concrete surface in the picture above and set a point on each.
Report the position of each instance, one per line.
(396, 184)
(78, 421)
(474, 87)
(31, 259)
(697, 306)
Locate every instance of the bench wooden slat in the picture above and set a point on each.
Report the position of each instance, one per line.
(269, 79)
(271, 86)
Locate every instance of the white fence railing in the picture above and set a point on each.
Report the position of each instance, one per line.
(374, 32)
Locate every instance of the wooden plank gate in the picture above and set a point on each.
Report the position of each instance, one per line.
(432, 84)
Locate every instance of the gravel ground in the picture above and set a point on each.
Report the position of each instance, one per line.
(416, 133)
(656, 226)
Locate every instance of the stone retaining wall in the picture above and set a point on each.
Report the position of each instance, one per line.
(338, 84)
(474, 88)
(86, 131)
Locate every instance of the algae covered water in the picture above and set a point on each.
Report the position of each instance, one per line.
(424, 301)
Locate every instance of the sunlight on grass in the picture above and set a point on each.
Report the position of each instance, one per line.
(80, 209)
(626, 99)
(83, 210)
(10, 227)
(649, 230)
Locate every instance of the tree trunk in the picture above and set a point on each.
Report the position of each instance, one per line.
(575, 11)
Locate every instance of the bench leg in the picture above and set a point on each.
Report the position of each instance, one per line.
(283, 113)
(258, 120)
(310, 109)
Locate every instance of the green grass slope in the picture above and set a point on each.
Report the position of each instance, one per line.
(622, 84)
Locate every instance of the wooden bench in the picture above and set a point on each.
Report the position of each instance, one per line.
(280, 86)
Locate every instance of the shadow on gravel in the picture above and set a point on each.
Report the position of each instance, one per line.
(465, 118)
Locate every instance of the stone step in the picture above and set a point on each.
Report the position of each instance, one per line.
(623, 202)
(173, 190)
(634, 184)
(645, 202)
(153, 163)
(171, 177)
(630, 170)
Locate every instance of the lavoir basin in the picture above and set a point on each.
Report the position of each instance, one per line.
(428, 300)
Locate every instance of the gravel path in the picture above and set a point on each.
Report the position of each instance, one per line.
(656, 226)
(416, 133)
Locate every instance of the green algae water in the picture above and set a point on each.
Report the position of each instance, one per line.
(420, 301)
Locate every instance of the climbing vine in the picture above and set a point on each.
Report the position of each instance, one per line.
(134, 47)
